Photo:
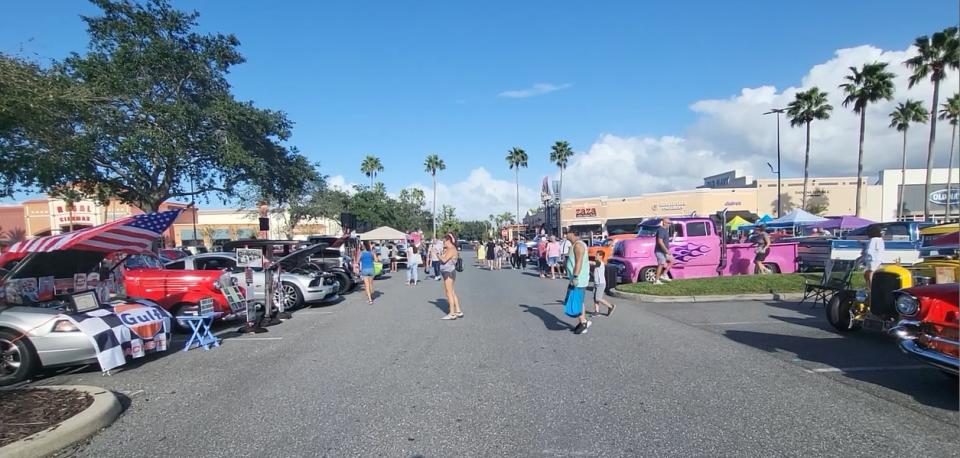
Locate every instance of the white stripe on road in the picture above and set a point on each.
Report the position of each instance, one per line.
(822, 370)
(240, 339)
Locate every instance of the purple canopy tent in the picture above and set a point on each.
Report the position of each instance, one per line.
(843, 223)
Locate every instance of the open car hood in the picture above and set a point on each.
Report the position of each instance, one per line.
(59, 264)
(298, 258)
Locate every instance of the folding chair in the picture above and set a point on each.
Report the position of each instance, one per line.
(836, 277)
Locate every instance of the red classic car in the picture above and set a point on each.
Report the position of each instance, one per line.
(141, 275)
(929, 326)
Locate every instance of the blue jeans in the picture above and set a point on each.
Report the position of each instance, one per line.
(412, 274)
(436, 268)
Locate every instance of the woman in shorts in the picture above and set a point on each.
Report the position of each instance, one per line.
(872, 253)
(448, 270)
(367, 258)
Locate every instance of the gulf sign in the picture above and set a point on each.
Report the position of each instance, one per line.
(145, 322)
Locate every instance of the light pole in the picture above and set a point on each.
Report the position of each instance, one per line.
(778, 111)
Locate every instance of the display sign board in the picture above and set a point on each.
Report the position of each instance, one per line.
(945, 275)
(238, 304)
(206, 306)
(249, 257)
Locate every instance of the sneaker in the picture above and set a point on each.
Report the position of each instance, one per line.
(576, 329)
(582, 327)
(657, 282)
(665, 279)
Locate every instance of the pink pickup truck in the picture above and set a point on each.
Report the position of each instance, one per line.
(698, 252)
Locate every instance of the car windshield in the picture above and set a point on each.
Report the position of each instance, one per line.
(142, 261)
(647, 230)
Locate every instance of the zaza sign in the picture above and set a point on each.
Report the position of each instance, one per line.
(586, 212)
(940, 197)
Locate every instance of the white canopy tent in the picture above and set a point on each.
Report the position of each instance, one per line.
(383, 233)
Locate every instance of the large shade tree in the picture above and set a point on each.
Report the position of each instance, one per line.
(936, 55)
(865, 85)
(806, 107)
(151, 113)
(433, 164)
(371, 166)
(517, 158)
(950, 112)
(905, 114)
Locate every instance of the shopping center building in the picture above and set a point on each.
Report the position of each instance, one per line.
(739, 193)
(216, 226)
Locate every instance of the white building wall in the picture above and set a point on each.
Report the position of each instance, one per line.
(890, 185)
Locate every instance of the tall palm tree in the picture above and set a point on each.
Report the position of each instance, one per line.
(868, 84)
(370, 167)
(560, 154)
(950, 111)
(906, 113)
(432, 165)
(806, 107)
(517, 158)
(935, 55)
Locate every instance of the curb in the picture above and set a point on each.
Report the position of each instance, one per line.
(101, 413)
(710, 298)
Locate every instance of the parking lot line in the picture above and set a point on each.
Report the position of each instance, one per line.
(821, 370)
(241, 339)
(737, 323)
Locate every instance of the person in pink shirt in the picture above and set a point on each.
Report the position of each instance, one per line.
(542, 256)
(553, 256)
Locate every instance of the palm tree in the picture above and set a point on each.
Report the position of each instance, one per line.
(807, 106)
(906, 113)
(950, 111)
(432, 165)
(560, 154)
(935, 55)
(517, 158)
(871, 83)
(370, 167)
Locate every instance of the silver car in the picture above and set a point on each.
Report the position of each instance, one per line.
(297, 287)
(32, 337)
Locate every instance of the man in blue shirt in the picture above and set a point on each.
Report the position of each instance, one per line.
(522, 253)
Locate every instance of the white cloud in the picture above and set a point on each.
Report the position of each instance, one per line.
(339, 182)
(480, 195)
(536, 89)
(733, 133)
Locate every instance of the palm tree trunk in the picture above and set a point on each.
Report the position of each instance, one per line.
(560, 205)
(863, 127)
(516, 175)
(933, 138)
(953, 138)
(903, 177)
(806, 170)
(434, 204)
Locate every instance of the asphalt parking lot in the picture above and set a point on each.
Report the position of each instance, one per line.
(392, 379)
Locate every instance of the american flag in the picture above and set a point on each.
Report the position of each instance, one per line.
(133, 234)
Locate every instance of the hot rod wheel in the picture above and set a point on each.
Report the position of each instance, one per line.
(839, 313)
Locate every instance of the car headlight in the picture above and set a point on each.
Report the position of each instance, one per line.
(64, 326)
(216, 284)
(861, 295)
(907, 304)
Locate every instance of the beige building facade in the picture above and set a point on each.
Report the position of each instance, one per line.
(735, 192)
(215, 226)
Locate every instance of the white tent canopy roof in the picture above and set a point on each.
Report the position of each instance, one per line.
(383, 233)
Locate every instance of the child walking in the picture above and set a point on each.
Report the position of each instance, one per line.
(600, 285)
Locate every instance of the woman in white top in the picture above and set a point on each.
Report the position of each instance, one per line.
(600, 285)
(413, 261)
(872, 253)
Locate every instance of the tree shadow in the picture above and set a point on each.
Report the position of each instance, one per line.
(550, 321)
(925, 386)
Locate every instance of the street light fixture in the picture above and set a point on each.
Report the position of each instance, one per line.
(778, 111)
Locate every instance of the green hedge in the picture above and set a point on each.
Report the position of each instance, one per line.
(739, 284)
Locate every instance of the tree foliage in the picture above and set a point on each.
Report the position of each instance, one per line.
(818, 203)
(475, 230)
(447, 220)
(148, 112)
(371, 166)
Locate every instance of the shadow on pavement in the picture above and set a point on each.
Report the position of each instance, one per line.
(442, 305)
(925, 386)
(550, 321)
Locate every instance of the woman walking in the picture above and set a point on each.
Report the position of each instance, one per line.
(491, 253)
(553, 257)
(448, 269)
(394, 254)
(762, 241)
(482, 253)
(413, 263)
(872, 254)
(542, 256)
(367, 258)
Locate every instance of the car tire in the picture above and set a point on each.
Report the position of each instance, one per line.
(291, 295)
(838, 314)
(773, 268)
(182, 309)
(18, 360)
(648, 275)
(345, 284)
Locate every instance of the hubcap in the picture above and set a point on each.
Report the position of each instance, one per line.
(10, 357)
(650, 276)
(288, 295)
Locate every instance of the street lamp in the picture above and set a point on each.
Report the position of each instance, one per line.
(778, 111)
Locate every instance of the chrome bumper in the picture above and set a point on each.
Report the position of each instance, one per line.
(907, 330)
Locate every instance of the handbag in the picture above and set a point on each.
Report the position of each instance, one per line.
(459, 264)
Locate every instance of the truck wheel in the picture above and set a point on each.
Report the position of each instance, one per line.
(838, 314)
(773, 268)
(648, 275)
(18, 361)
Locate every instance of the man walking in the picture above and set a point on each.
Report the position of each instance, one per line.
(578, 267)
(521, 254)
(565, 246)
(662, 252)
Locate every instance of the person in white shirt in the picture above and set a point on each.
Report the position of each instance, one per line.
(600, 285)
(872, 253)
(565, 246)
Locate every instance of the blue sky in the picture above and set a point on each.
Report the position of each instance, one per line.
(405, 79)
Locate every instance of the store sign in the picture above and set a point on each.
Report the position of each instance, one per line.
(586, 212)
(732, 203)
(75, 218)
(940, 197)
(670, 206)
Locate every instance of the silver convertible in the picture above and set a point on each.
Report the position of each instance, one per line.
(297, 286)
